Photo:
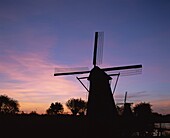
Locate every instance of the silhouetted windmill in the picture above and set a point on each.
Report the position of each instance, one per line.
(127, 118)
(127, 111)
(101, 104)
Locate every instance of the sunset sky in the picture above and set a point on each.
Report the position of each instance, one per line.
(37, 36)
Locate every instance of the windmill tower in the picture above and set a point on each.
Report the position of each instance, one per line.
(127, 118)
(101, 104)
(127, 111)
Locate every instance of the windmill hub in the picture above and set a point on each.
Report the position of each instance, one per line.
(97, 74)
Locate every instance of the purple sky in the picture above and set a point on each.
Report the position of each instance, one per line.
(38, 35)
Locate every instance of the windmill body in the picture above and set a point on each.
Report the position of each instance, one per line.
(127, 111)
(101, 105)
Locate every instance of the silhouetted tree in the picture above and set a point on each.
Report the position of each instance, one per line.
(33, 113)
(143, 110)
(55, 108)
(8, 105)
(77, 106)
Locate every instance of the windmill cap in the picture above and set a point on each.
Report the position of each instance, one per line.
(96, 73)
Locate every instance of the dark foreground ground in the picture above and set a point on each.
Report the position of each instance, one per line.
(61, 127)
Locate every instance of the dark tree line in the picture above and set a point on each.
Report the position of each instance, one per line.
(76, 106)
(10, 106)
(140, 116)
(55, 108)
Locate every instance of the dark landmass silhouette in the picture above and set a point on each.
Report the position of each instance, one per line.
(66, 126)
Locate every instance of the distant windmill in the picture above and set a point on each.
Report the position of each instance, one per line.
(101, 104)
(127, 111)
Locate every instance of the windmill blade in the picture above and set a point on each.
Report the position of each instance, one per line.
(95, 48)
(124, 70)
(119, 103)
(125, 97)
(98, 48)
(70, 71)
(128, 72)
(124, 103)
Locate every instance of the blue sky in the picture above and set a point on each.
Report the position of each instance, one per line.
(38, 35)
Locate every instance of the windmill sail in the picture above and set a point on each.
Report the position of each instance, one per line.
(125, 97)
(122, 68)
(95, 49)
(70, 71)
(98, 48)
